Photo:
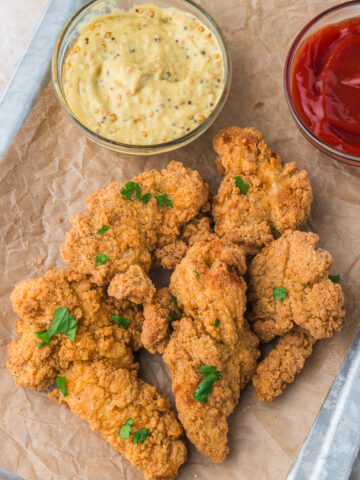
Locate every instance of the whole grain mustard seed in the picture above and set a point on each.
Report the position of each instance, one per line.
(135, 75)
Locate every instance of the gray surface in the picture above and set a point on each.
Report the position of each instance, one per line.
(4, 475)
(33, 72)
(333, 442)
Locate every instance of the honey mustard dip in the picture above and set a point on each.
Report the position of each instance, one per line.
(144, 77)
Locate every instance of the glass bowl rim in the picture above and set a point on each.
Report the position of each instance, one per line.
(134, 148)
(323, 146)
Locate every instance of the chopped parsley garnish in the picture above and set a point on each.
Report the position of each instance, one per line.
(163, 200)
(279, 293)
(211, 375)
(273, 229)
(242, 186)
(102, 230)
(101, 259)
(123, 322)
(62, 322)
(197, 274)
(140, 436)
(60, 382)
(130, 188)
(175, 302)
(125, 430)
(334, 278)
(146, 197)
(216, 323)
(173, 317)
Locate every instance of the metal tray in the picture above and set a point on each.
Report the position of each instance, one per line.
(333, 442)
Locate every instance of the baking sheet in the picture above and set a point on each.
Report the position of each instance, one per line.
(51, 162)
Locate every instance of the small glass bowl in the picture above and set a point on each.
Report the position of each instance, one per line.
(333, 15)
(98, 8)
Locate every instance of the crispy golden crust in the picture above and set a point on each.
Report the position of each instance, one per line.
(279, 196)
(313, 301)
(158, 316)
(97, 336)
(282, 364)
(207, 286)
(101, 376)
(248, 353)
(171, 254)
(106, 397)
(136, 228)
(134, 285)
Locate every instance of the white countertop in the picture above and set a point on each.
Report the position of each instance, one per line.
(19, 19)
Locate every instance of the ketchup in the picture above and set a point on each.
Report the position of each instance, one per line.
(325, 84)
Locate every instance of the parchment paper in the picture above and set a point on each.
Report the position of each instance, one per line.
(51, 168)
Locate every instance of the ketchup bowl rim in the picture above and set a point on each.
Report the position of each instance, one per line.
(309, 135)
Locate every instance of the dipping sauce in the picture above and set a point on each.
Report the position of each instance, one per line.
(144, 77)
(326, 85)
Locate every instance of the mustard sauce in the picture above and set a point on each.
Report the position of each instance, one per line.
(144, 77)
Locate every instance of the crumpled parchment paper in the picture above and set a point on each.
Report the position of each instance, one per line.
(51, 168)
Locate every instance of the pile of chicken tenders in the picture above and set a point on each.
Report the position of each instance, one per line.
(243, 274)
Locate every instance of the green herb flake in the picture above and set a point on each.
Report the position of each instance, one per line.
(62, 322)
(175, 302)
(172, 319)
(101, 258)
(60, 382)
(140, 436)
(334, 278)
(102, 230)
(211, 375)
(125, 430)
(123, 322)
(197, 274)
(146, 197)
(216, 323)
(129, 189)
(279, 293)
(273, 229)
(242, 186)
(163, 200)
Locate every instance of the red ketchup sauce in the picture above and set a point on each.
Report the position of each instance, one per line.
(325, 84)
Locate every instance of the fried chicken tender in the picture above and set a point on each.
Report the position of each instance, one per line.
(137, 226)
(208, 291)
(101, 375)
(106, 397)
(134, 285)
(278, 196)
(282, 364)
(199, 228)
(97, 335)
(159, 315)
(311, 310)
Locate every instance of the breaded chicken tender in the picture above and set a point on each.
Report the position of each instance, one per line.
(159, 315)
(279, 368)
(259, 196)
(107, 397)
(142, 216)
(97, 336)
(209, 330)
(309, 306)
(101, 376)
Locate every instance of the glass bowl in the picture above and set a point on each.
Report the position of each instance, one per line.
(97, 8)
(333, 15)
